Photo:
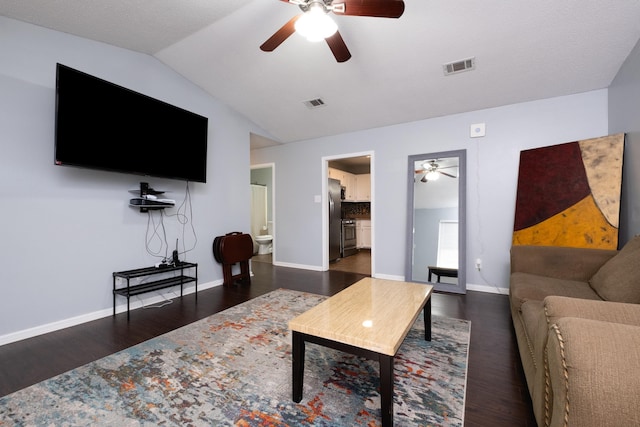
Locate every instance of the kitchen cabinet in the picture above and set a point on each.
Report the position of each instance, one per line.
(363, 187)
(363, 233)
(347, 180)
(357, 187)
(336, 174)
(350, 186)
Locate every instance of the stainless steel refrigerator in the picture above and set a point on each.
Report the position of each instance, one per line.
(335, 219)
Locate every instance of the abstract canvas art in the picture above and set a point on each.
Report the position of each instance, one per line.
(569, 194)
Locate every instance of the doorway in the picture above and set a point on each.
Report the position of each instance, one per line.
(354, 176)
(263, 211)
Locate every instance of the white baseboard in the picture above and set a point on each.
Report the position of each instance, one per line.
(152, 298)
(300, 266)
(487, 289)
(389, 277)
(470, 286)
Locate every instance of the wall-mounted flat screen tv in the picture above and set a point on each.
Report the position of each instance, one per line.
(101, 125)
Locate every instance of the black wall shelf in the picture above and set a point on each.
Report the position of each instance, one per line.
(147, 199)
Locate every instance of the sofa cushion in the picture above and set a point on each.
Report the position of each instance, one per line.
(556, 307)
(525, 286)
(558, 261)
(619, 278)
(592, 370)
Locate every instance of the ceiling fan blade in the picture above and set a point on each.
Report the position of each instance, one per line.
(376, 8)
(447, 174)
(338, 47)
(281, 35)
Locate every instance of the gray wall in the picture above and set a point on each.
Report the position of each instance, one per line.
(624, 116)
(65, 230)
(491, 188)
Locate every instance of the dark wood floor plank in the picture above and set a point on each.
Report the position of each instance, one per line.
(496, 388)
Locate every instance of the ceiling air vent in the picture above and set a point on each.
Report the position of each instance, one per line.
(314, 103)
(459, 66)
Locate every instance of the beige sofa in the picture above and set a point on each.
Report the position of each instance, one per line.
(576, 314)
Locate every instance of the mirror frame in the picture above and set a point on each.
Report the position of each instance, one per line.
(461, 286)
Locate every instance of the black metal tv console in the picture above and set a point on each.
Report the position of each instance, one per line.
(154, 285)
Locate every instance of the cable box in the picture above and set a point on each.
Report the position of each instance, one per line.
(144, 202)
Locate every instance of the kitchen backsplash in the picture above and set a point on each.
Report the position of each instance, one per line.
(356, 210)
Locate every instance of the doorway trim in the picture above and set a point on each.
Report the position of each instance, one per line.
(325, 205)
(271, 166)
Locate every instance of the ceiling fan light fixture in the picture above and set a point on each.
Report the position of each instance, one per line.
(315, 25)
(430, 165)
(432, 175)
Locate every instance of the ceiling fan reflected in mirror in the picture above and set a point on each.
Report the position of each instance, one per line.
(315, 24)
(431, 171)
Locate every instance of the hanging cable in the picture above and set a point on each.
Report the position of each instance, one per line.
(184, 216)
(153, 234)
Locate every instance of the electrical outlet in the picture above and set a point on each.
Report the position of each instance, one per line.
(478, 264)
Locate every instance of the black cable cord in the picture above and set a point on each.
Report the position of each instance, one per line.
(184, 216)
(151, 224)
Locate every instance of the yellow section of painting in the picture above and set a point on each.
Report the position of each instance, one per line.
(602, 158)
(581, 226)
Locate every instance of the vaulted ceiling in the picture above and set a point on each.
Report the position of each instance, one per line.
(524, 50)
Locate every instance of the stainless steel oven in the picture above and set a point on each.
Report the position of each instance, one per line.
(348, 246)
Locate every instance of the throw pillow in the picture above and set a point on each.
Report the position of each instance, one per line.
(619, 278)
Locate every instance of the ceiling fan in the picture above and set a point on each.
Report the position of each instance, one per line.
(433, 170)
(315, 23)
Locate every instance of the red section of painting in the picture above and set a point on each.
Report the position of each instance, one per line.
(550, 180)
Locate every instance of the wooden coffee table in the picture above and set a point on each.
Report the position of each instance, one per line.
(370, 318)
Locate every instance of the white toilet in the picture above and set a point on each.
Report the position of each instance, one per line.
(264, 244)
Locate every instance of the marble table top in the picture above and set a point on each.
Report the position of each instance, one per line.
(374, 314)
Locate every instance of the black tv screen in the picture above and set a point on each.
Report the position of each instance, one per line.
(101, 125)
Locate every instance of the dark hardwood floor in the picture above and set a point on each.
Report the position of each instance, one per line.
(360, 262)
(496, 389)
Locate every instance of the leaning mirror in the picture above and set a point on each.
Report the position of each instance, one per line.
(436, 219)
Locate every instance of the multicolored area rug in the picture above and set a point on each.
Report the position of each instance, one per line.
(234, 369)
